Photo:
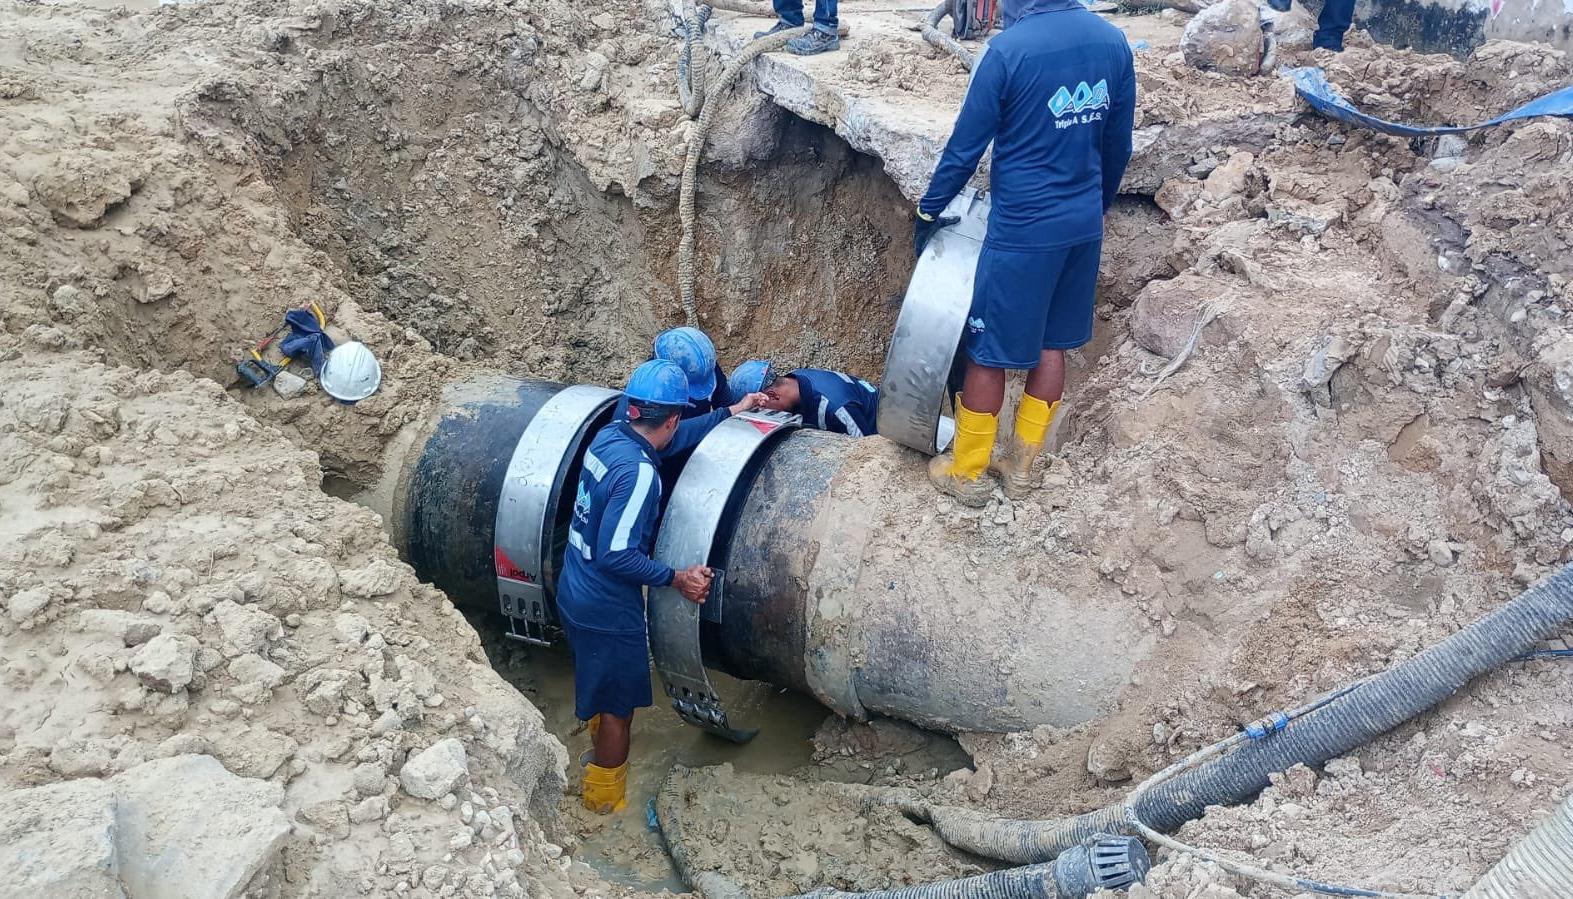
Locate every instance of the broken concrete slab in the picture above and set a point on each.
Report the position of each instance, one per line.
(908, 132)
(188, 829)
(175, 828)
(59, 841)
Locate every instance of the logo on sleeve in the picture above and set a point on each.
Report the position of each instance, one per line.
(1083, 99)
(581, 505)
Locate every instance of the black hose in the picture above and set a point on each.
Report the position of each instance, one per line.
(1347, 722)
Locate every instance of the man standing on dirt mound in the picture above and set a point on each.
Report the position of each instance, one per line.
(607, 565)
(1056, 94)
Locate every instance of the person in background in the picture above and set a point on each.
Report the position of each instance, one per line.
(607, 566)
(1332, 24)
(1056, 95)
(823, 38)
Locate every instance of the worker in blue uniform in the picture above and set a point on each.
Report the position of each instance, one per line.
(607, 566)
(1055, 93)
(827, 400)
(692, 351)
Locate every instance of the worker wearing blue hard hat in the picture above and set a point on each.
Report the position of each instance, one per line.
(827, 400)
(607, 565)
(693, 352)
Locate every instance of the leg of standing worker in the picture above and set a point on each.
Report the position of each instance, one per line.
(611, 679)
(984, 388)
(1072, 274)
(789, 11)
(824, 37)
(612, 740)
(1047, 381)
(1333, 24)
(825, 16)
(1003, 332)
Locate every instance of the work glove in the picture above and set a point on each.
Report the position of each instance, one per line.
(925, 226)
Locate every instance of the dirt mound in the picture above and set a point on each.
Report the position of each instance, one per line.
(175, 582)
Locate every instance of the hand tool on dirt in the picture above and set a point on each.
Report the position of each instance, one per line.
(257, 371)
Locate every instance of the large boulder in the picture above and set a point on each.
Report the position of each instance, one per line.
(176, 828)
(1225, 37)
(189, 829)
(59, 841)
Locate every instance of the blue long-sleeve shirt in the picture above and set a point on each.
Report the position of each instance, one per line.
(698, 419)
(1056, 93)
(832, 401)
(607, 563)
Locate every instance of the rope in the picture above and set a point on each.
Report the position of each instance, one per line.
(696, 148)
(1204, 317)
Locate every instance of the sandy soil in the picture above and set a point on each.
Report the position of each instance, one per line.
(1363, 454)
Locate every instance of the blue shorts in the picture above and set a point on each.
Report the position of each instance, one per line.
(611, 672)
(1027, 302)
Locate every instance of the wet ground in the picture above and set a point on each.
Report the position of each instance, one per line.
(622, 847)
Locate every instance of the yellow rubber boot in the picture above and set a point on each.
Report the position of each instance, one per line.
(960, 473)
(605, 789)
(1014, 465)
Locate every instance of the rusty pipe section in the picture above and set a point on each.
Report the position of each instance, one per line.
(841, 582)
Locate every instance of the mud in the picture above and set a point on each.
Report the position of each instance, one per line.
(1367, 448)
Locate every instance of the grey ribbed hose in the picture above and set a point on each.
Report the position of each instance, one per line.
(696, 148)
(668, 804)
(943, 41)
(1032, 882)
(1347, 722)
(1540, 866)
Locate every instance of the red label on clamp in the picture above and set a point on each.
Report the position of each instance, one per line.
(506, 568)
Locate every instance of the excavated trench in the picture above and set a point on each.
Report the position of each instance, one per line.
(473, 231)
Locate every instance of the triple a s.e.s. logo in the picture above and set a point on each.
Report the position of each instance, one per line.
(1080, 103)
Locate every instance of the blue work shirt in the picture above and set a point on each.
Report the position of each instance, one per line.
(832, 401)
(607, 563)
(1056, 93)
(698, 418)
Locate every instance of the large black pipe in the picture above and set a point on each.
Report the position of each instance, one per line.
(822, 594)
(445, 505)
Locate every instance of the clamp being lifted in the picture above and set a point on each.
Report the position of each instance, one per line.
(702, 511)
(530, 511)
(928, 331)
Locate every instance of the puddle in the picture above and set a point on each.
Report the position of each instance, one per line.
(621, 847)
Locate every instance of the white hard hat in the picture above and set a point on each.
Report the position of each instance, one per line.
(351, 372)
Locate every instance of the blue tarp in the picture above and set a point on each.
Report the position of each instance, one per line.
(1311, 84)
(306, 340)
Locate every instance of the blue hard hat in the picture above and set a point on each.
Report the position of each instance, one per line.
(751, 377)
(658, 381)
(693, 351)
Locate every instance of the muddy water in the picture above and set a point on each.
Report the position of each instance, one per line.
(621, 847)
